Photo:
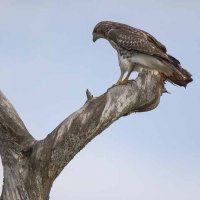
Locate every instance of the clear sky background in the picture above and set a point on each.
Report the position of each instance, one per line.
(48, 60)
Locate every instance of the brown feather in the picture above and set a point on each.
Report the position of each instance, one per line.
(128, 40)
(180, 77)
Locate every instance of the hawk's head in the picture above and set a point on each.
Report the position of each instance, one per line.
(101, 30)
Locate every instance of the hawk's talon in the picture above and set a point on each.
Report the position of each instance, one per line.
(120, 82)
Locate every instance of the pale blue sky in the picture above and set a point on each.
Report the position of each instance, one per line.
(48, 60)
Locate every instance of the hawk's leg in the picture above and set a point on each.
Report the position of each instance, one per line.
(128, 75)
(120, 79)
(119, 82)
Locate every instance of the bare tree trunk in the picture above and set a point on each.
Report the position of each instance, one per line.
(31, 166)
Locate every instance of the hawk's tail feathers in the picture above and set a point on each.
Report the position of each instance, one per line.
(180, 76)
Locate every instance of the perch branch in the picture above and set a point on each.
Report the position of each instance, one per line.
(31, 166)
(97, 114)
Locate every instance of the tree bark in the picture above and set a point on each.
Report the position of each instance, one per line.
(31, 166)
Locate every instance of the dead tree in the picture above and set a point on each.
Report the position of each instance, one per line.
(30, 166)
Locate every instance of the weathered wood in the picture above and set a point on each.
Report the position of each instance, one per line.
(31, 166)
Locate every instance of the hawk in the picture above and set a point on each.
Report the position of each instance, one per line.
(138, 50)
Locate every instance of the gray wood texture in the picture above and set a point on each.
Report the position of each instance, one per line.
(31, 166)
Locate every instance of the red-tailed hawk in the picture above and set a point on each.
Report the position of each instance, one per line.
(138, 50)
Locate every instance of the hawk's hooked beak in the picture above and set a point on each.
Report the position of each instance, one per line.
(94, 38)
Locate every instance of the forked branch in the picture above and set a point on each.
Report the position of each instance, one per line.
(32, 166)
